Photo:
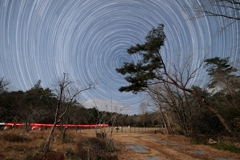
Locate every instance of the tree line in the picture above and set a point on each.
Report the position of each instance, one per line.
(38, 105)
(59, 106)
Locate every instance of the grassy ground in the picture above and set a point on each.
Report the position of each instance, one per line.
(16, 144)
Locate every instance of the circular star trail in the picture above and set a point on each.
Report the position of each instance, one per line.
(42, 39)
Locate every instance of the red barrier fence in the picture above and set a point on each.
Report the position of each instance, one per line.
(37, 125)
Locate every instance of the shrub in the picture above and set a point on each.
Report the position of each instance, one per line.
(49, 156)
(68, 139)
(11, 137)
(108, 157)
(70, 153)
(110, 145)
(227, 147)
(90, 148)
(199, 140)
(94, 149)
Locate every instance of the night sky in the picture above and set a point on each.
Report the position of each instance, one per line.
(88, 39)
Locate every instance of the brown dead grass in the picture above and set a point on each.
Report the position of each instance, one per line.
(169, 152)
(26, 150)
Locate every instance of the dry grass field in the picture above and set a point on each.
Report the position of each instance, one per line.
(17, 145)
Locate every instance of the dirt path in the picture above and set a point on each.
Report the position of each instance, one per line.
(165, 147)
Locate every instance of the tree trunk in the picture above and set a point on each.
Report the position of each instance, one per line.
(169, 125)
(164, 122)
(224, 122)
(64, 134)
(46, 146)
(213, 110)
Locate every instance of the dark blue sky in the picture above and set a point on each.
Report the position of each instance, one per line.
(88, 39)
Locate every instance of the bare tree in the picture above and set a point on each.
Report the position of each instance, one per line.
(111, 115)
(155, 94)
(66, 96)
(170, 98)
(3, 84)
(229, 9)
(67, 117)
(215, 7)
(30, 114)
(142, 111)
